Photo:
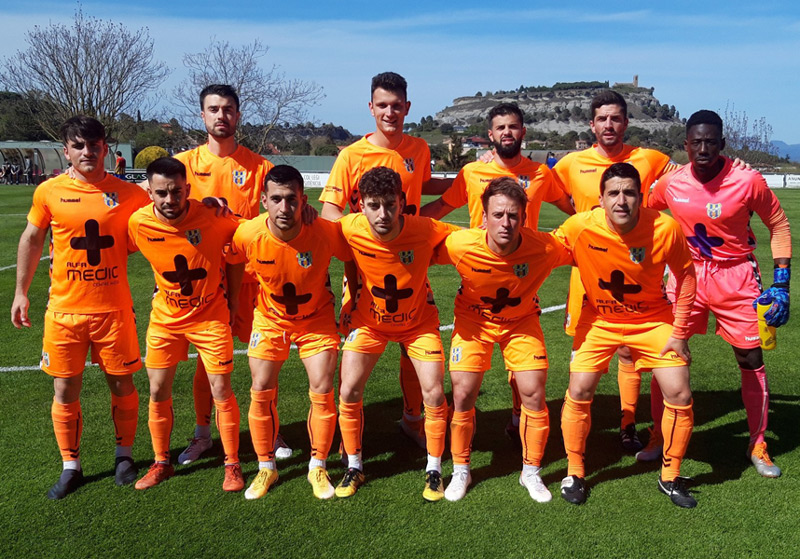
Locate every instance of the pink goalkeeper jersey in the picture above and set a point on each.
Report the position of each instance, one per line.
(715, 217)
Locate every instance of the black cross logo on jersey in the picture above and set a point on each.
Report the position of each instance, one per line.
(93, 242)
(390, 293)
(184, 276)
(617, 286)
(502, 300)
(702, 242)
(290, 299)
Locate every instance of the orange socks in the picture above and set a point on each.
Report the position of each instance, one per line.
(68, 427)
(534, 428)
(576, 420)
(516, 399)
(462, 431)
(160, 420)
(351, 425)
(321, 424)
(409, 386)
(676, 426)
(629, 385)
(436, 428)
(228, 421)
(125, 414)
(201, 390)
(263, 420)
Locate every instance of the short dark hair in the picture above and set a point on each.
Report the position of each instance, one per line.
(119, 153)
(381, 183)
(166, 167)
(704, 117)
(504, 109)
(285, 174)
(505, 186)
(609, 97)
(82, 126)
(392, 82)
(621, 171)
(218, 89)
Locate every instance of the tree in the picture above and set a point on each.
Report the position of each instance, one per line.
(93, 67)
(751, 142)
(266, 96)
(455, 159)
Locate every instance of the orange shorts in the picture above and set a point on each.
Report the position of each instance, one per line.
(214, 344)
(270, 340)
(596, 342)
(421, 343)
(575, 297)
(243, 321)
(521, 342)
(111, 337)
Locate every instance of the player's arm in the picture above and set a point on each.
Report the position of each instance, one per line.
(331, 211)
(436, 186)
(233, 274)
(565, 205)
(777, 296)
(436, 209)
(28, 255)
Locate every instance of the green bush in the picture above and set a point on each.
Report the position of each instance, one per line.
(148, 155)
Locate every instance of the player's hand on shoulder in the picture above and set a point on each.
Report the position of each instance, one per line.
(741, 165)
(219, 204)
(487, 157)
(309, 214)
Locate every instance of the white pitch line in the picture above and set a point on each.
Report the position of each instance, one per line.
(14, 265)
(244, 351)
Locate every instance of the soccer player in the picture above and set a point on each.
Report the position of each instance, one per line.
(392, 252)
(501, 268)
(224, 169)
(294, 305)
(713, 202)
(184, 242)
(119, 166)
(578, 173)
(621, 250)
(506, 131)
(411, 158)
(90, 305)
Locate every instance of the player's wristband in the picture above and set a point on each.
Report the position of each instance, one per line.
(781, 277)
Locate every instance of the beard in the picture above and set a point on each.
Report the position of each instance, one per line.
(508, 151)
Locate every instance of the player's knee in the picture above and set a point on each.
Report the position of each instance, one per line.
(433, 396)
(752, 358)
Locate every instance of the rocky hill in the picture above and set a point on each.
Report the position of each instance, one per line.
(563, 107)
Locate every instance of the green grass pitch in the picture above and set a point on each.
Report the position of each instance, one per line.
(739, 513)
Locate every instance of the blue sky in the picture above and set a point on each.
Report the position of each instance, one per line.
(695, 55)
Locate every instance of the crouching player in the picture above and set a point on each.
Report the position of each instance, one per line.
(294, 305)
(621, 250)
(184, 242)
(392, 253)
(501, 269)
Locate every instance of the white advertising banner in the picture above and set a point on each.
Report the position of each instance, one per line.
(792, 181)
(774, 181)
(315, 180)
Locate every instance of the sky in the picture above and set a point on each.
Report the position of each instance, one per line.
(708, 55)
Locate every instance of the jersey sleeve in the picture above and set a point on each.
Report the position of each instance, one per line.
(551, 191)
(133, 227)
(333, 232)
(39, 214)
(445, 253)
(658, 196)
(338, 188)
(456, 195)
(242, 237)
(561, 174)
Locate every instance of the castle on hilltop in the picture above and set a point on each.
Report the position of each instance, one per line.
(634, 83)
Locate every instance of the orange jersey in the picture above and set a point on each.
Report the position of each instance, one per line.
(500, 289)
(187, 261)
(622, 274)
(88, 241)
(411, 159)
(535, 178)
(293, 276)
(393, 274)
(239, 177)
(579, 172)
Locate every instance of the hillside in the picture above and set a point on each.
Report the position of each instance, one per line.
(563, 107)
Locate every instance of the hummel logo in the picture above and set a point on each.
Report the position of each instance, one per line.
(203, 174)
(594, 170)
(684, 200)
(71, 200)
(601, 249)
(482, 270)
(156, 239)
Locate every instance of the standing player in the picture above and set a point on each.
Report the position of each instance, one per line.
(224, 169)
(578, 173)
(119, 166)
(184, 242)
(294, 305)
(621, 251)
(90, 305)
(713, 202)
(409, 157)
(506, 131)
(392, 252)
(501, 268)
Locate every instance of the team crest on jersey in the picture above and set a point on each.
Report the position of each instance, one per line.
(351, 337)
(409, 163)
(46, 359)
(637, 255)
(111, 199)
(406, 256)
(239, 178)
(255, 338)
(521, 270)
(714, 210)
(304, 259)
(455, 354)
(524, 181)
(194, 237)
